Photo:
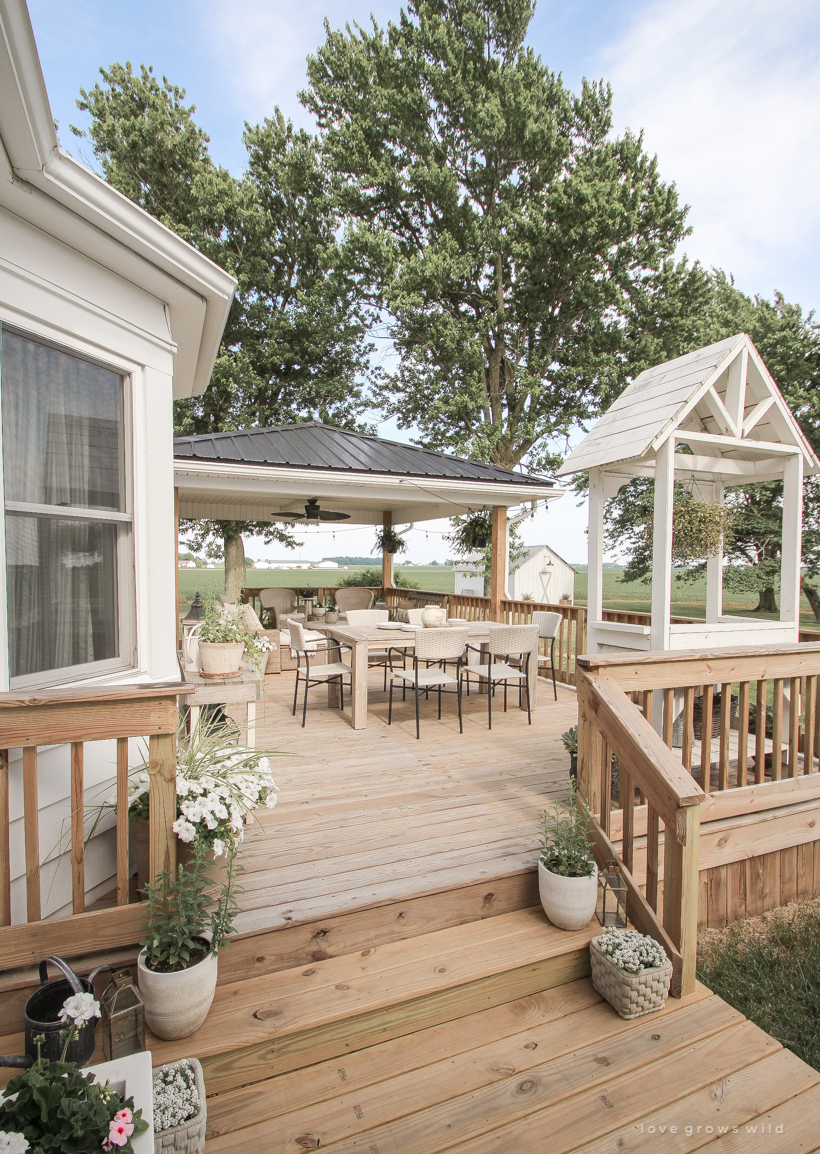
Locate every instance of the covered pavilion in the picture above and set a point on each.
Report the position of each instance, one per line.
(296, 473)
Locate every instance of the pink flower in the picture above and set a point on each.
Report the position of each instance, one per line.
(119, 1132)
(124, 1115)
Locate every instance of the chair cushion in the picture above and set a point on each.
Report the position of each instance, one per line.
(426, 677)
(498, 672)
(320, 672)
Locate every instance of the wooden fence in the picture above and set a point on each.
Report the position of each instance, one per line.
(757, 758)
(76, 716)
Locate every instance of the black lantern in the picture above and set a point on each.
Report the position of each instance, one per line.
(196, 612)
(611, 907)
(123, 1017)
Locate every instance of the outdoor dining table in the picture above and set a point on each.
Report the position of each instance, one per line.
(363, 639)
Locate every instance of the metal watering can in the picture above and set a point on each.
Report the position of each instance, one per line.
(42, 1016)
(190, 649)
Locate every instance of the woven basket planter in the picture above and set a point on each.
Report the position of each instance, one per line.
(188, 1137)
(630, 995)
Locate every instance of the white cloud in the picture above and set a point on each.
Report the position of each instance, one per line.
(727, 92)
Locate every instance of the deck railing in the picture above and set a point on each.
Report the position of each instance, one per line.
(74, 717)
(755, 754)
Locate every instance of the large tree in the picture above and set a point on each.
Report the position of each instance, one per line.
(295, 345)
(510, 236)
(789, 342)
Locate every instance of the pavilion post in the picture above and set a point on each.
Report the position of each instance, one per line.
(387, 558)
(595, 567)
(662, 545)
(714, 571)
(499, 555)
(176, 567)
(790, 551)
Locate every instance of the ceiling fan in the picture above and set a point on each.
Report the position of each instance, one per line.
(312, 513)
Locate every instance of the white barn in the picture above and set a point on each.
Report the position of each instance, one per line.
(541, 575)
(106, 317)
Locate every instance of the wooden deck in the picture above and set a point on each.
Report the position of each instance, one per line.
(375, 816)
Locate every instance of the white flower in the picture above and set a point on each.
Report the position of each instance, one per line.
(184, 830)
(631, 951)
(218, 847)
(175, 1096)
(79, 1008)
(12, 1142)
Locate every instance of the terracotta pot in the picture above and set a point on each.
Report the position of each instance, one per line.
(221, 659)
(569, 903)
(177, 1004)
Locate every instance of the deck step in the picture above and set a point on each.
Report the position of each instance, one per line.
(293, 1018)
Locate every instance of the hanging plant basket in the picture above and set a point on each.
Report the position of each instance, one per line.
(699, 529)
(389, 541)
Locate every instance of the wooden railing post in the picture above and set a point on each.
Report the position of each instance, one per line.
(5, 852)
(31, 824)
(680, 890)
(162, 800)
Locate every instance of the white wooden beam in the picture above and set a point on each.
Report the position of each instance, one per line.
(721, 414)
(760, 410)
(736, 389)
(790, 550)
(595, 560)
(662, 545)
(714, 570)
(691, 437)
(729, 468)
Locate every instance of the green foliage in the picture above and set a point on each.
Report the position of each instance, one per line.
(295, 346)
(220, 627)
(567, 848)
(389, 541)
(700, 529)
(570, 739)
(371, 577)
(768, 970)
(514, 241)
(61, 1111)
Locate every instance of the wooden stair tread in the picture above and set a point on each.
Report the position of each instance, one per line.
(297, 1000)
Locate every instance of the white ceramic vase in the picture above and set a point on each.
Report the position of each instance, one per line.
(569, 903)
(221, 659)
(433, 616)
(177, 1004)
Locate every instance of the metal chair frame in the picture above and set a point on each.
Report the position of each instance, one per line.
(423, 664)
(522, 678)
(322, 680)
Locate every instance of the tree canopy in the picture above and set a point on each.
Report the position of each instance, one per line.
(514, 242)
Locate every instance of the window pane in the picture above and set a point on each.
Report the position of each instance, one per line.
(62, 428)
(62, 593)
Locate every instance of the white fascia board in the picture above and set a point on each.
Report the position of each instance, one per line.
(203, 476)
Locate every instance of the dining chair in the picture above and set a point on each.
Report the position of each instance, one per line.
(353, 597)
(434, 648)
(379, 657)
(304, 647)
(506, 641)
(549, 625)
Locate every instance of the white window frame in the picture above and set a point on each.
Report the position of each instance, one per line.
(126, 557)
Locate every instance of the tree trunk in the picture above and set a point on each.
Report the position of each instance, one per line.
(234, 565)
(766, 602)
(813, 598)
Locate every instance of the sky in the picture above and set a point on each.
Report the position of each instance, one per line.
(727, 93)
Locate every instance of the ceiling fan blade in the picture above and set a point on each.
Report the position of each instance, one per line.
(323, 516)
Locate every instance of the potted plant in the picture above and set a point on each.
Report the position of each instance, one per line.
(389, 541)
(631, 971)
(570, 740)
(180, 1107)
(52, 1107)
(219, 786)
(567, 873)
(224, 640)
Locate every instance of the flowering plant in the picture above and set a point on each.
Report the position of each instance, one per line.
(176, 1098)
(222, 624)
(631, 951)
(52, 1108)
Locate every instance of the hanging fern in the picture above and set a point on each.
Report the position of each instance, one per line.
(389, 541)
(699, 529)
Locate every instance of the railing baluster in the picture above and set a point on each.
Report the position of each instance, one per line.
(680, 891)
(761, 703)
(652, 829)
(794, 723)
(810, 715)
(31, 825)
(162, 798)
(5, 851)
(77, 829)
(743, 732)
(122, 821)
(606, 785)
(706, 738)
(688, 734)
(777, 728)
(668, 716)
(627, 799)
(725, 720)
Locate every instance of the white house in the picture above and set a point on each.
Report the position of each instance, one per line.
(540, 575)
(105, 318)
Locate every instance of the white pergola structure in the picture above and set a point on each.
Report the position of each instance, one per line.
(722, 403)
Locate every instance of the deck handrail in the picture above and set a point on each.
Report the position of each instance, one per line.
(73, 716)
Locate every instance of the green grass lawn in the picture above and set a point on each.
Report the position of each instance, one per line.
(769, 969)
(434, 577)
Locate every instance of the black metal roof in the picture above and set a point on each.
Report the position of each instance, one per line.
(312, 445)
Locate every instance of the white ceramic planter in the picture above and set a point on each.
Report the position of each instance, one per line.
(221, 659)
(433, 617)
(177, 1004)
(569, 903)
